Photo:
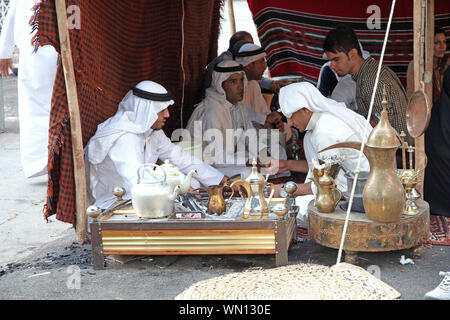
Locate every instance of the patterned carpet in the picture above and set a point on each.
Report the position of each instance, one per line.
(439, 227)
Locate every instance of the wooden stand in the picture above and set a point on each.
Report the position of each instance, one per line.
(167, 237)
(364, 235)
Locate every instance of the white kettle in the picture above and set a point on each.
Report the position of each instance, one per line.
(152, 196)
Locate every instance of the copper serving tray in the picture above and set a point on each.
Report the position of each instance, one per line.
(418, 114)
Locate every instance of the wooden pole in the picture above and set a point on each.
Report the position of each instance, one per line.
(429, 49)
(75, 123)
(417, 36)
(231, 16)
(419, 18)
(423, 59)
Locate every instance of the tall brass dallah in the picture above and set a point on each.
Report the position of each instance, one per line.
(383, 194)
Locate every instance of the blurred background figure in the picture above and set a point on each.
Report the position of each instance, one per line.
(440, 64)
(36, 75)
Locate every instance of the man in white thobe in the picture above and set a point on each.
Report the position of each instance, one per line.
(133, 137)
(223, 115)
(36, 76)
(326, 123)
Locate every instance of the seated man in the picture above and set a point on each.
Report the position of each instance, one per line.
(133, 137)
(223, 113)
(343, 50)
(253, 59)
(327, 122)
(239, 36)
(340, 89)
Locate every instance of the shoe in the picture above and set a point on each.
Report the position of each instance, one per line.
(442, 291)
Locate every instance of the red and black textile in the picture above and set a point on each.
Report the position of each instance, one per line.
(292, 32)
(118, 44)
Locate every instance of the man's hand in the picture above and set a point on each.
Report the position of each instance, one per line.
(225, 181)
(5, 66)
(274, 119)
(274, 166)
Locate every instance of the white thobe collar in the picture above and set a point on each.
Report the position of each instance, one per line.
(229, 105)
(312, 122)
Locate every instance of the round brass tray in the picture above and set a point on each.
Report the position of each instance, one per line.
(365, 235)
(418, 114)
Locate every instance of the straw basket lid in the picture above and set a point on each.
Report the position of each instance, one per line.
(293, 282)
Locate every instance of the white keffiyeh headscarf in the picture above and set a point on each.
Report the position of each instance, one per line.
(134, 115)
(300, 95)
(249, 53)
(215, 97)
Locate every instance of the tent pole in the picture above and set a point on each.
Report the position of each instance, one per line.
(423, 67)
(231, 16)
(75, 122)
(418, 34)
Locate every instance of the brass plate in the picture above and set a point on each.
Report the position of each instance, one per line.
(418, 114)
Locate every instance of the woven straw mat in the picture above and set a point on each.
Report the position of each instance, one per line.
(293, 282)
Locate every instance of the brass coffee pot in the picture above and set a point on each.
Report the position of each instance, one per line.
(326, 198)
(383, 194)
(216, 201)
(256, 205)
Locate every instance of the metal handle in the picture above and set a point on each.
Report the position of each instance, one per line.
(146, 165)
(340, 196)
(271, 192)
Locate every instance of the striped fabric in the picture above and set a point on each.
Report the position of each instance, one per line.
(119, 44)
(292, 32)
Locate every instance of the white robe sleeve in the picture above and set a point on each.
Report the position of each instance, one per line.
(127, 156)
(319, 141)
(7, 41)
(166, 150)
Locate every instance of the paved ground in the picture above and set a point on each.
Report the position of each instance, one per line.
(49, 272)
(22, 226)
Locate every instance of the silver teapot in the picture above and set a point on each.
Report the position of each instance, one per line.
(152, 196)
